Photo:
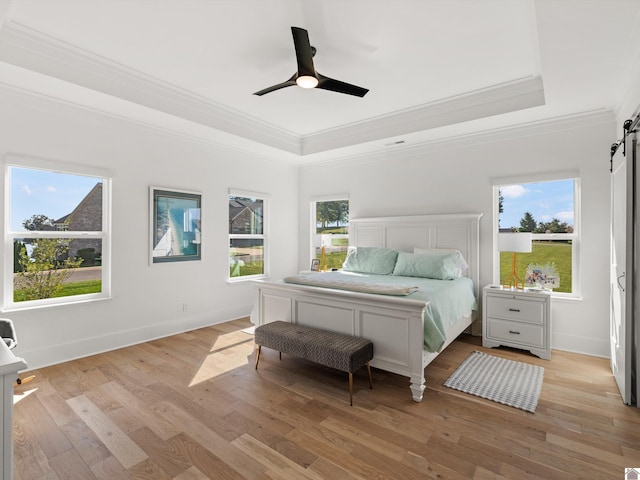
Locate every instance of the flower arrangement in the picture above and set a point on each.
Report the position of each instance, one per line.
(542, 276)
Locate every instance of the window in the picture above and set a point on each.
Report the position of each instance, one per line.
(330, 231)
(56, 236)
(247, 235)
(548, 209)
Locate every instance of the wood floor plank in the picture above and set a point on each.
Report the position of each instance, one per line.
(209, 439)
(110, 469)
(85, 442)
(119, 443)
(171, 461)
(30, 461)
(274, 461)
(193, 406)
(191, 474)
(52, 440)
(203, 459)
(140, 409)
(69, 465)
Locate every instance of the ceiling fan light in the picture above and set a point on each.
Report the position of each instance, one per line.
(307, 81)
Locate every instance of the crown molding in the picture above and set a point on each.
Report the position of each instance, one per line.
(592, 118)
(33, 50)
(503, 98)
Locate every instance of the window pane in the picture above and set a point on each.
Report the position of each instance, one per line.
(246, 257)
(56, 267)
(48, 201)
(545, 209)
(332, 232)
(245, 215)
(549, 256)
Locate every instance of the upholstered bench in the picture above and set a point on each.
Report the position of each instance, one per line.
(335, 350)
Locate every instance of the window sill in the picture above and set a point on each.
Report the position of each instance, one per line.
(232, 281)
(25, 308)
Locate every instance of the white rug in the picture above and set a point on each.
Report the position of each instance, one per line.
(504, 381)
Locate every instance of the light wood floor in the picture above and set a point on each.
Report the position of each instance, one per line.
(192, 407)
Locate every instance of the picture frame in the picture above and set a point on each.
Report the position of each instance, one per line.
(315, 264)
(176, 225)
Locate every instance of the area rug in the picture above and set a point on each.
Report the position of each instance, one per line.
(504, 381)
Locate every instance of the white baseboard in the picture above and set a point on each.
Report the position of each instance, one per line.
(85, 347)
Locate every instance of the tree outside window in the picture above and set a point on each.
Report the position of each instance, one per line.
(331, 230)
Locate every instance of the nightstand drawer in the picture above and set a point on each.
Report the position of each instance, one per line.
(529, 311)
(522, 333)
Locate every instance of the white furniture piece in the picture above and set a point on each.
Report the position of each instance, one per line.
(517, 318)
(10, 365)
(394, 324)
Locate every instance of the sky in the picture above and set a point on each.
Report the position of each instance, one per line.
(55, 195)
(545, 201)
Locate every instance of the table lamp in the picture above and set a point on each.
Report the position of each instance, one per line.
(517, 242)
(322, 241)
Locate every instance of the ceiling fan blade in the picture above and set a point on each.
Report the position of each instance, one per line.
(304, 52)
(273, 88)
(327, 83)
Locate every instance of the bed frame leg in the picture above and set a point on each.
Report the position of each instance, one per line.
(258, 355)
(417, 387)
(370, 381)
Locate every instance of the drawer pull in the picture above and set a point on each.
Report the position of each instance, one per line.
(514, 309)
(514, 332)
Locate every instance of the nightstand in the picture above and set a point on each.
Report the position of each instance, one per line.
(517, 318)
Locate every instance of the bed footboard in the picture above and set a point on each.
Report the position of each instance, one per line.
(394, 325)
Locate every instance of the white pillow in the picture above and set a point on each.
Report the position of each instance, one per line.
(462, 263)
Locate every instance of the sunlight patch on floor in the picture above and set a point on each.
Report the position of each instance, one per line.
(19, 396)
(229, 352)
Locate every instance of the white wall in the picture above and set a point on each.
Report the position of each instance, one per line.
(456, 177)
(147, 299)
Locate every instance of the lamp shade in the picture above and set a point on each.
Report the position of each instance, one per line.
(514, 242)
(322, 240)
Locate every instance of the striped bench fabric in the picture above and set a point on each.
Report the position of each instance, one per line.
(331, 349)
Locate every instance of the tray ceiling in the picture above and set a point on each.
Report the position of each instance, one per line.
(432, 67)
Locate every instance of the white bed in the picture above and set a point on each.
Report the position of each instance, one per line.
(395, 324)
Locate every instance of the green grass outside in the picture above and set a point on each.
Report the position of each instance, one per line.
(249, 268)
(67, 290)
(558, 253)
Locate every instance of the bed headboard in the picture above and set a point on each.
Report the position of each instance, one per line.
(458, 230)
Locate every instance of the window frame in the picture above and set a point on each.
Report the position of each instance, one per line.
(104, 235)
(264, 236)
(313, 216)
(575, 236)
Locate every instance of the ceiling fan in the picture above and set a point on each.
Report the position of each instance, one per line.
(307, 76)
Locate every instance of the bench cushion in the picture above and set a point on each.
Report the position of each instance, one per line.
(336, 350)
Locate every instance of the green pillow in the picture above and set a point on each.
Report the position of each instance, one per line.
(441, 266)
(379, 261)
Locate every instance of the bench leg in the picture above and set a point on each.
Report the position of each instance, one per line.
(351, 389)
(258, 355)
(370, 381)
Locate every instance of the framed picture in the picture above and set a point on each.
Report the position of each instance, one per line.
(314, 264)
(176, 225)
